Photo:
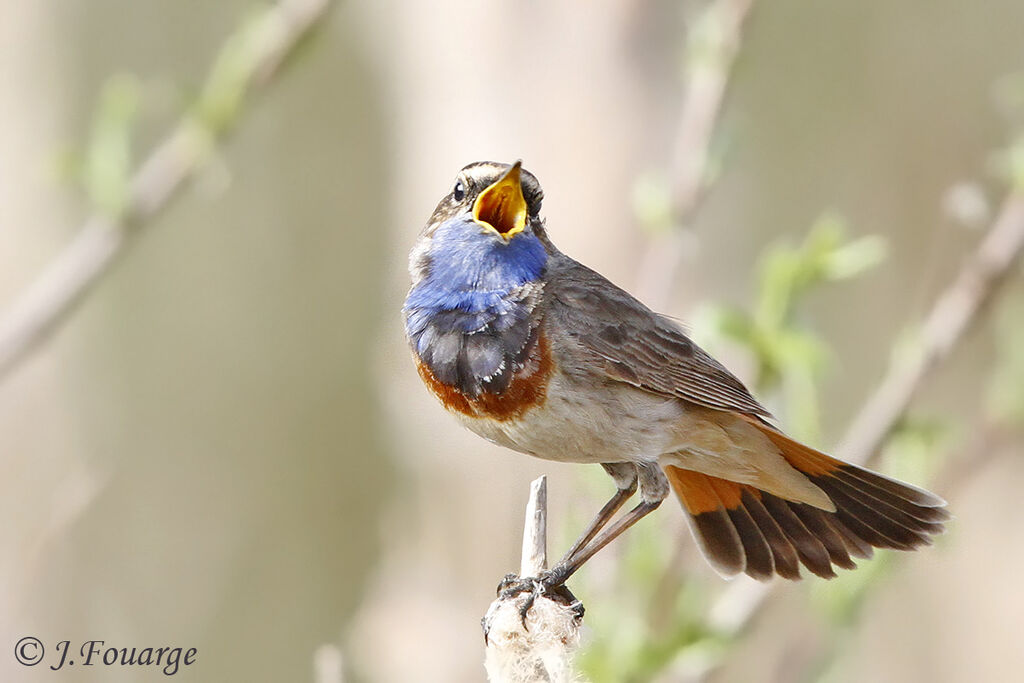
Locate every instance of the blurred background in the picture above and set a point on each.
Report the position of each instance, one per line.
(226, 446)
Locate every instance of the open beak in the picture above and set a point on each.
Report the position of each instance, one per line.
(501, 207)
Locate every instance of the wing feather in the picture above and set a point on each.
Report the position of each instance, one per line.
(631, 343)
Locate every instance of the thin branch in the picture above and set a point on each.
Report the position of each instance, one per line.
(538, 646)
(954, 313)
(257, 52)
(535, 530)
(717, 38)
(713, 44)
(951, 317)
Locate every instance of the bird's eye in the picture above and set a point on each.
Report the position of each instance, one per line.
(459, 191)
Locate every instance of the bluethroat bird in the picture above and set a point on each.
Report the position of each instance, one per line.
(538, 353)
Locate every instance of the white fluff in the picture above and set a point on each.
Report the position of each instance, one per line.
(541, 653)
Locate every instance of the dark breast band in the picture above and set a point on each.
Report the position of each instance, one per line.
(527, 389)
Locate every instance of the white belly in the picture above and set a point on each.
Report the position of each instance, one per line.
(611, 423)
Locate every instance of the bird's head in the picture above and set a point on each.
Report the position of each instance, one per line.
(488, 226)
(501, 200)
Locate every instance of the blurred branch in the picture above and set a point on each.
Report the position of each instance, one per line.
(716, 42)
(950, 317)
(250, 58)
(539, 646)
(954, 312)
(989, 441)
(712, 46)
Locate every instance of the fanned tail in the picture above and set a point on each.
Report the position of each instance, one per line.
(741, 528)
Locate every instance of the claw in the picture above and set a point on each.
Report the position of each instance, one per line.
(512, 586)
(507, 582)
(527, 605)
(550, 583)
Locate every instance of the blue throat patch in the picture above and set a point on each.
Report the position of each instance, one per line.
(474, 273)
(467, 319)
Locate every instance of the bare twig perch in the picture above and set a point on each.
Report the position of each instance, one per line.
(539, 648)
(250, 58)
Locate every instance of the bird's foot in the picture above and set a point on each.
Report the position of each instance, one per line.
(550, 583)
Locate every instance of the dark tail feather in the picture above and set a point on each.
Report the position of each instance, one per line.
(784, 554)
(743, 529)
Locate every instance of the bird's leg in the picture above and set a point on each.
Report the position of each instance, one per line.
(552, 581)
(654, 488)
(624, 474)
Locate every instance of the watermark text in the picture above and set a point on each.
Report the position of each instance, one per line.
(168, 659)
